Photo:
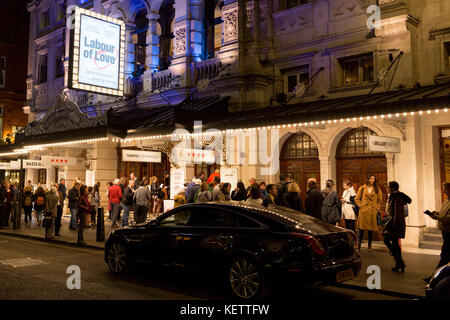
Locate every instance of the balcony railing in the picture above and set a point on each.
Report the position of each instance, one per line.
(133, 86)
(207, 69)
(161, 79)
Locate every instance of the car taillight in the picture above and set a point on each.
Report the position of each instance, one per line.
(352, 237)
(313, 242)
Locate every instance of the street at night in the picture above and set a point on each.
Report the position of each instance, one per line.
(35, 270)
(214, 158)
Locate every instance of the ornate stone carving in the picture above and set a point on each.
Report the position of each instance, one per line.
(399, 124)
(231, 26)
(180, 41)
(64, 115)
(165, 147)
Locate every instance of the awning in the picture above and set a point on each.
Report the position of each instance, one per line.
(382, 103)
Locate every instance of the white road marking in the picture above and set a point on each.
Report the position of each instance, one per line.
(22, 262)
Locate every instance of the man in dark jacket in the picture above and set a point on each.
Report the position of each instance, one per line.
(271, 195)
(73, 196)
(62, 188)
(282, 187)
(313, 203)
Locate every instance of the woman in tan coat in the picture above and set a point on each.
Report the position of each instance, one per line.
(368, 199)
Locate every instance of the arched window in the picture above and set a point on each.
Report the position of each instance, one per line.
(213, 28)
(140, 41)
(165, 31)
(299, 145)
(355, 143)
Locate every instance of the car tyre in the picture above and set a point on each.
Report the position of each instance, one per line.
(117, 260)
(245, 278)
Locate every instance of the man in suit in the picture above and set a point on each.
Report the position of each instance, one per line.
(271, 195)
(135, 179)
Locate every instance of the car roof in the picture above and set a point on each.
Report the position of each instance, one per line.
(286, 216)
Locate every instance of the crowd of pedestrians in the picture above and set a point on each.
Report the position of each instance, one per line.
(356, 210)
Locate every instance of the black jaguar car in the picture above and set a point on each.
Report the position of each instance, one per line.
(254, 247)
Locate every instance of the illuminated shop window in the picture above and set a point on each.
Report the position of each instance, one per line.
(357, 70)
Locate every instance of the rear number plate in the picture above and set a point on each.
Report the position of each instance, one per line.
(344, 275)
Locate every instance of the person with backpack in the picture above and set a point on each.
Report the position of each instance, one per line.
(27, 202)
(194, 191)
(331, 205)
(204, 195)
(348, 211)
(282, 188)
(39, 204)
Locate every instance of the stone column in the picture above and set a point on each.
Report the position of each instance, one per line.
(152, 53)
(130, 50)
(326, 171)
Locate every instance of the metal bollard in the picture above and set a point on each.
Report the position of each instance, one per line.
(100, 225)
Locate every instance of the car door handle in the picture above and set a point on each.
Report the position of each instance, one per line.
(225, 236)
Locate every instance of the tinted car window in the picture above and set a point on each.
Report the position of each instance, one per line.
(244, 222)
(180, 217)
(211, 217)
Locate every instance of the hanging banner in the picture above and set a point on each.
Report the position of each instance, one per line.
(176, 181)
(229, 175)
(196, 156)
(90, 178)
(141, 156)
(168, 205)
(59, 161)
(34, 164)
(384, 144)
(15, 164)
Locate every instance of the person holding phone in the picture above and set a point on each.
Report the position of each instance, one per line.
(443, 218)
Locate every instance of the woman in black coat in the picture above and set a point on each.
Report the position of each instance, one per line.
(292, 198)
(239, 193)
(396, 228)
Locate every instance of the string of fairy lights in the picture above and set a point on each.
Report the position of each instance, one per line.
(212, 132)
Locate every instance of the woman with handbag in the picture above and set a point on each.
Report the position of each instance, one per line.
(368, 199)
(394, 226)
(348, 211)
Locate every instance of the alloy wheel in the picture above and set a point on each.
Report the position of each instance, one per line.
(117, 257)
(245, 279)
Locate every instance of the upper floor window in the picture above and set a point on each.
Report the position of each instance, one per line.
(287, 4)
(140, 42)
(60, 11)
(59, 65)
(42, 69)
(447, 57)
(294, 77)
(213, 28)
(2, 72)
(44, 19)
(355, 143)
(357, 70)
(165, 31)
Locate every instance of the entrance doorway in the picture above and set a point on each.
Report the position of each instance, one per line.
(145, 169)
(300, 157)
(444, 155)
(356, 163)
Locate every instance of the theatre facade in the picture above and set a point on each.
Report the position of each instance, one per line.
(260, 87)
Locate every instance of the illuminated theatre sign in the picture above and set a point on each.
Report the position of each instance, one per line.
(97, 53)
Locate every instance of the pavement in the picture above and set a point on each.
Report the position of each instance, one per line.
(420, 263)
(69, 237)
